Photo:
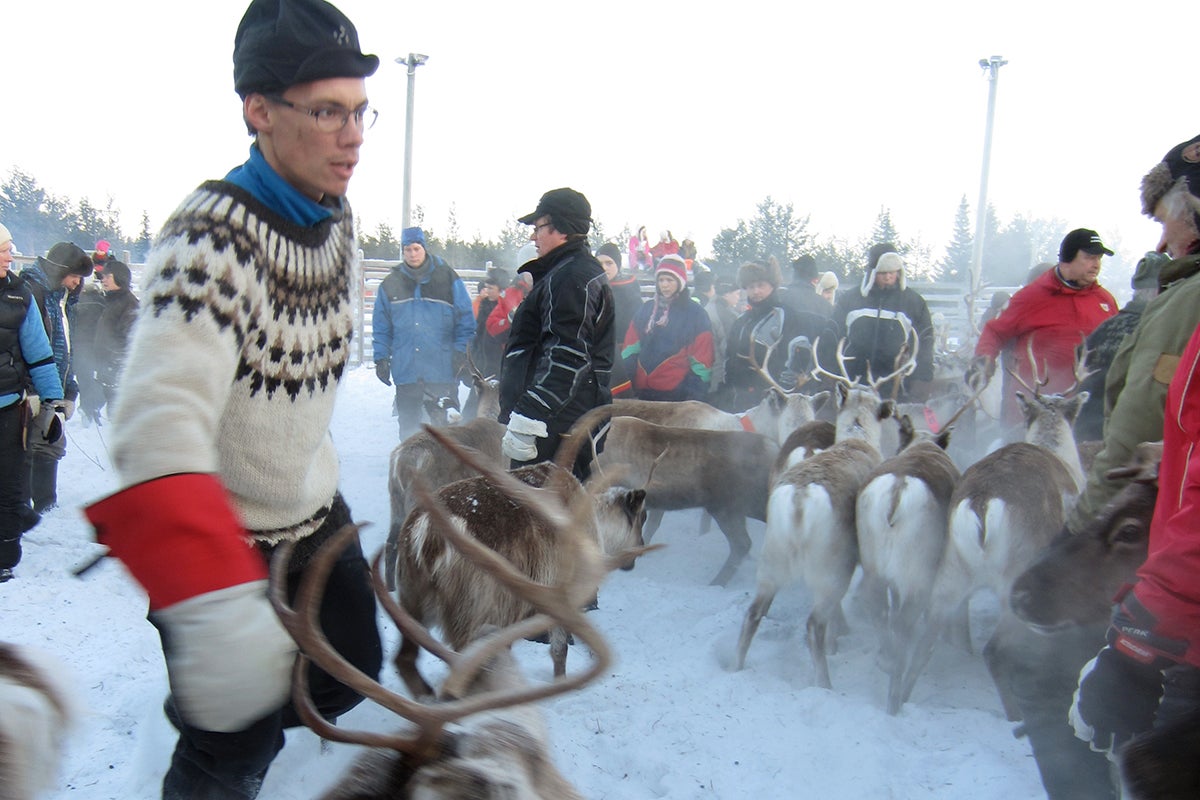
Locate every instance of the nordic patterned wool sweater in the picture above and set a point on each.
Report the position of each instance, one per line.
(243, 336)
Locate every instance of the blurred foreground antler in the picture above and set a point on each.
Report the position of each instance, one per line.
(483, 691)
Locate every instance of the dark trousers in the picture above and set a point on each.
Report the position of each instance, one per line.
(16, 516)
(231, 766)
(410, 399)
(43, 481)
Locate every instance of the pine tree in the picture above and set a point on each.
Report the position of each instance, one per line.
(956, 265)
(885, 231)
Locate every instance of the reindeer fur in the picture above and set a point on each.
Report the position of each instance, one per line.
(811, 535)
(438, 586)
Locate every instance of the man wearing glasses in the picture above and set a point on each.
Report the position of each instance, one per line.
(558, 360)
(221, 438)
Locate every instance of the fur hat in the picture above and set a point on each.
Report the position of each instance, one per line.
(885, 262)
(281, 43)
(63, 260)
(827, 281)
(612, 251)
(569, 211)
(5, 236)
(119, 271)
(753, 271)
(674, 266)
(1180, 164)
(413, 236)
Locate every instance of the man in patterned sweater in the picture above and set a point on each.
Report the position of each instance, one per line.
(221, 438)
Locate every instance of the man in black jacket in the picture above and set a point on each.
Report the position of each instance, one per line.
(878, 319)
(558, 361)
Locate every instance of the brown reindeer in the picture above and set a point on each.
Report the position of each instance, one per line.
(726, 473)
(420, 456)
(1003, 512)
(437, 587)
(482, 739)
(901, 525)
(36, 711)
(1073, 580)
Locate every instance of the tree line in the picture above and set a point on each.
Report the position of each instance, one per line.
(37, 219)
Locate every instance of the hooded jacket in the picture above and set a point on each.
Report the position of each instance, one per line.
(876, 323)
(1056, 318)
(558, 361)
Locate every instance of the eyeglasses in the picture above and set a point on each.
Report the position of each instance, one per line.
(333, 118)
(541, 225)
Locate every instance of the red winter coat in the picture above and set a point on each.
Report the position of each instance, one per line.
(1169, 585)
(1057, 318)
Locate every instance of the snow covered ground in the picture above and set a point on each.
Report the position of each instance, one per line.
(670, 720)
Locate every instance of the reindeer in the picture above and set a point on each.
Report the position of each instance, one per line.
(37, 710)
(1073, 580)
(1002, 513)
(901, 526)
(724, 472)
(437, 587)
(482, 738)
(811, 514)
(420, 456)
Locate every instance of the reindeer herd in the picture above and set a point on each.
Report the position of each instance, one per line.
(845, 483)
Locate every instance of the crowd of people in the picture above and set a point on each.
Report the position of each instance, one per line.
(256, 339)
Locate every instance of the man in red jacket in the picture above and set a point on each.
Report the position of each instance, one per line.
(1053, 315)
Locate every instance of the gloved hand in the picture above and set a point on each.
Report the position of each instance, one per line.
(980, 371)
(383, 371)
(50, 421)
(68, 408)
(229, 660)
(520, 439)
(1119, 694)
(1116, 700)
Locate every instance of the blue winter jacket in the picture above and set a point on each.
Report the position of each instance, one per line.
(420, 323)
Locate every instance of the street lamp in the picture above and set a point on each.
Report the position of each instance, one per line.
(413, 61)
(992, 65)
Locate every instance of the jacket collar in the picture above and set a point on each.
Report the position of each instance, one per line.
(540, 266)
(1178, 269)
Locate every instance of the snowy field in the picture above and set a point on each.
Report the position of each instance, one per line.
(670, 720)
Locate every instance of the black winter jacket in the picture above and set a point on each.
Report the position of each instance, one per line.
(875, 329)
(558, 361)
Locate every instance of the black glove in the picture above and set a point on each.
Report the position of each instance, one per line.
(1116, 700)
(383, 371)
(1120, 689)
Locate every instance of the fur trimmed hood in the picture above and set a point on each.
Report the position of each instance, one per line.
(887, 262)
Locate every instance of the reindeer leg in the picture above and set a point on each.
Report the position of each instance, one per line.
(818, 627)
(734, 528)
(706, 521)
(558, 650)
(901, 632)
(653, 521)
(758, 609)
(391, 552)
(406, 665)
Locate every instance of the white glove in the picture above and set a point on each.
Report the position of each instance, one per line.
(520, 438)
(68, 407)
(228, 657)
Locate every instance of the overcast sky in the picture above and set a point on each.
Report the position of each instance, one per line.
(668, 114)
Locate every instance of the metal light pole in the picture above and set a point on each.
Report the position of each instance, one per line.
(413, 61)
(992, 65)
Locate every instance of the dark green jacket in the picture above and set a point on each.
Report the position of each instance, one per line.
(1136, 390)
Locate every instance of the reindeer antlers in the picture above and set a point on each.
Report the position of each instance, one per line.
(1041, 377)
